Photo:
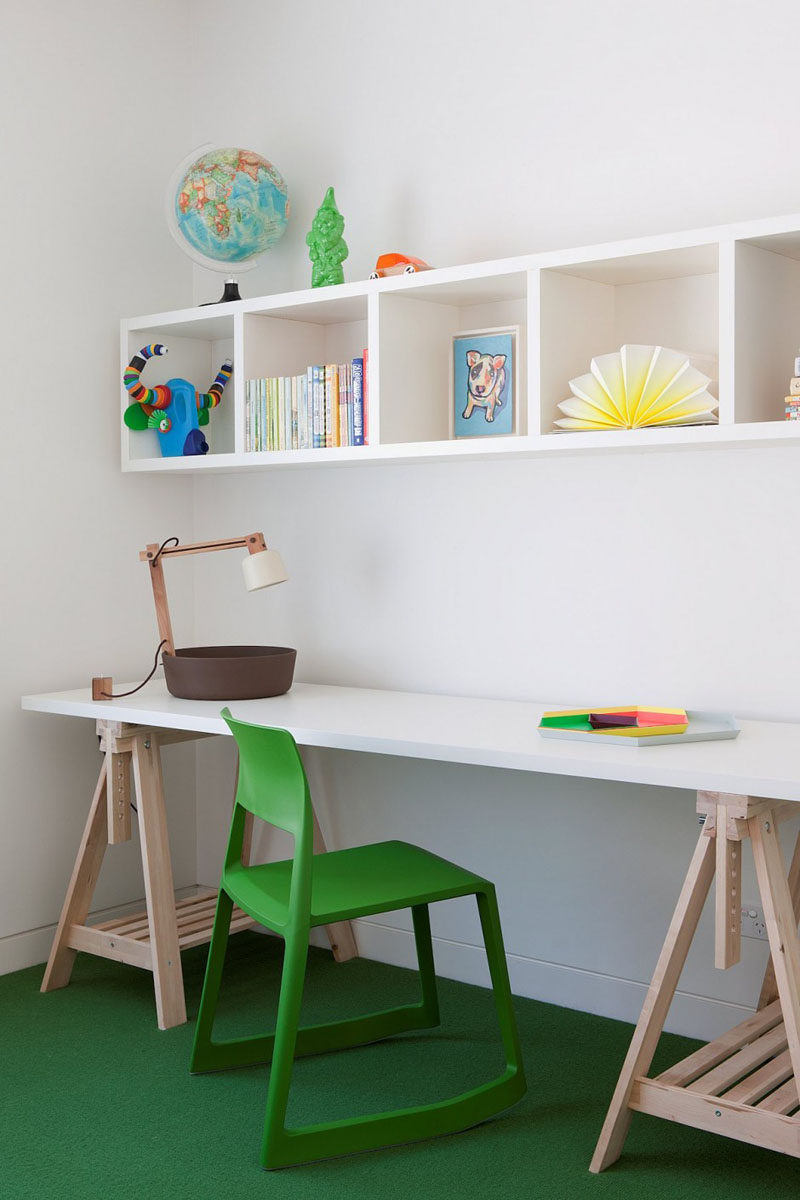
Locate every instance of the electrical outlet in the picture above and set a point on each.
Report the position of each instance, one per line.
(753, 924)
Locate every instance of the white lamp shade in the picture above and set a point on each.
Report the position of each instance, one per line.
(263, 569)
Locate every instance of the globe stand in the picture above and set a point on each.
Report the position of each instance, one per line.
(231, 292)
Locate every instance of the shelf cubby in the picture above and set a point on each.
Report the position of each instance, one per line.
(196, 349)
(767, 336)
(286, 340)
(415, 330)
(667, 298)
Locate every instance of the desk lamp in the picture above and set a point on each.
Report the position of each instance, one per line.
(215, 672)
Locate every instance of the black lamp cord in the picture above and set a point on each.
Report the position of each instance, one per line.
(161, 548)
(119, 695)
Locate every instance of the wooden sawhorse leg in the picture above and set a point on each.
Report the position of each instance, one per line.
(151, 940)
(744, 1084)
(80, 890)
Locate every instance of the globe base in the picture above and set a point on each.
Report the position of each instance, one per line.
(231, 292)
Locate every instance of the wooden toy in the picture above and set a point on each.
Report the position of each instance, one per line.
(398, 264)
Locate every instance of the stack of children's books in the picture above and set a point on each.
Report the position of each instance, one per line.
(324, 407)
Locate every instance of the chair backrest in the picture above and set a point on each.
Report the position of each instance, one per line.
(272, 782)
(272, 785)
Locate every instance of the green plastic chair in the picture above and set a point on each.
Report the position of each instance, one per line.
(293, 896)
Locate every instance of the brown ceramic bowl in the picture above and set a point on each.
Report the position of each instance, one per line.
(229, 672)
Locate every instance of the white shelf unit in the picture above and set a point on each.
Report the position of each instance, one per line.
(729, 296)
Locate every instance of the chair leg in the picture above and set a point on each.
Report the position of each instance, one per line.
(288, 1147)
(504, 1003)
(429, 1012)
(282, 1147)
(204, 1057)
(276, 1136)
(259, 1049)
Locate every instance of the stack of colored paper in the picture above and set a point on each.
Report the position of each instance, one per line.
(630, 721)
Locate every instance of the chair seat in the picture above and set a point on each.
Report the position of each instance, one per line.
(351, 883)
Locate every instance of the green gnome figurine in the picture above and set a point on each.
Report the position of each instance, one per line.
(327, 249)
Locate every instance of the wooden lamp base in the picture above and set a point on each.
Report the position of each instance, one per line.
(102, 687)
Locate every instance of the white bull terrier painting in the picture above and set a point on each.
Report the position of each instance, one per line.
(486, 383)
(484, 375)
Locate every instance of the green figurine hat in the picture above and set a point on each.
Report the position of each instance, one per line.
(330, 203)
(327, 249)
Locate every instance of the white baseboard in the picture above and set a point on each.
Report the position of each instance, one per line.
(568, 987)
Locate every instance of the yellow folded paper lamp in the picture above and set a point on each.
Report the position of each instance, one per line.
(638, 386)
(631, 720)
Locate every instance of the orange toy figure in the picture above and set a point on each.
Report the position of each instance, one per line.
(398, 264)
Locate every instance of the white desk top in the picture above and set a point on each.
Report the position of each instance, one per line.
(763, 761)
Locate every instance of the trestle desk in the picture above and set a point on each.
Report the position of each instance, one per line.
(742, 1085)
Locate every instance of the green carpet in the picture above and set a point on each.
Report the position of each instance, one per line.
(96, 1102)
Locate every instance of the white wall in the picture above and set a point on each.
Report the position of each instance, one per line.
(460, 132)
(95, 115)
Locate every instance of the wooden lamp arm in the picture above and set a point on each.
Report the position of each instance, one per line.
(253, 541)
(160, 597)
(153, 554)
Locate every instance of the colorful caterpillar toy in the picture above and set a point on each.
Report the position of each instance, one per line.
(176, 409)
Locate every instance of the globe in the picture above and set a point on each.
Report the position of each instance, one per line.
(226, 207)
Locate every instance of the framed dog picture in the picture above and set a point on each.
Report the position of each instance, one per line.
(484, 382)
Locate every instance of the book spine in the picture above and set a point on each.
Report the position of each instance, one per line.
(328, 369)
(266, 432)
(357, 366)
(342, 422)
(247, 390)
(287, 411)
(348, 370)
(337, 406)
(366, 398)
(293, 399)
(319, 425)
(309, 403)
